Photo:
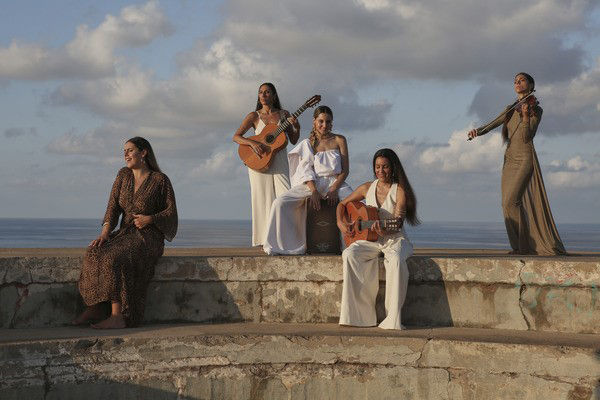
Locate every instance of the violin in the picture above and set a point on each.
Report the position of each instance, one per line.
(531, 102)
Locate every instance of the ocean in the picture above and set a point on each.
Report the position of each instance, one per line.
(61, 233)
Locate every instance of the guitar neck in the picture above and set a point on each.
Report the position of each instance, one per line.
(286, 124)
(367, 224)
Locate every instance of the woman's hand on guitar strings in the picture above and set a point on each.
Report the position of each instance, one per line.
(347, 228)
(294, 123)
(376, 227)
(257, 148)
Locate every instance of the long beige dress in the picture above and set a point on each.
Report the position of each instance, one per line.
(265, 187)
(527, 216)
(121, 269)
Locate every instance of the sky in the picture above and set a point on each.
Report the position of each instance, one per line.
(78, 78)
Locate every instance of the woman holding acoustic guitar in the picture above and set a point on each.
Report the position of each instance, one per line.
(319, 167)
(266, 185)
(527, 216)
(393, 197)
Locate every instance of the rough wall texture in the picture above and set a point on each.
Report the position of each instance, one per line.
(542, 294)
(294, 366)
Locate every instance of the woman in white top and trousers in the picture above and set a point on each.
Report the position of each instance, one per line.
(319, 167)
(265, 186)
(392, 194)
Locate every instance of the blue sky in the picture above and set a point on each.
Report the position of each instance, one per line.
(78, 78)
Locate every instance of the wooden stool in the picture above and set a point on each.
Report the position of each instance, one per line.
(322, 233)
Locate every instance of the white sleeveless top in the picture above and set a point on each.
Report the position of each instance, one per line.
(386, 211)
(261, 125)
(305, 165)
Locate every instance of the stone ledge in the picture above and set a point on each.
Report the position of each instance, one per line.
(303, 361)
(463, 290)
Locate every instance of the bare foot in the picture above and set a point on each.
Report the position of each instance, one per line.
(112, 322)
(90, 313)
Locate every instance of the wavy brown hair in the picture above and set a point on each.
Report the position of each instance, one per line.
(399, 177)
(150, 159)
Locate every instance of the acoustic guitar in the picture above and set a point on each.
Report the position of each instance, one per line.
(362, 218)
(272, 139)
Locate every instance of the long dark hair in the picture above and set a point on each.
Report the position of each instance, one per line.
(276, 103)
(509, 114)
(399, 177)
(312, 138)
(150, 159)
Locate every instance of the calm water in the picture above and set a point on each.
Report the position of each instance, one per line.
(20, 232)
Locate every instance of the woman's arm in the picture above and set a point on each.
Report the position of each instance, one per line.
(315, 197)
(489, 126)
(239, 138)
(359, 194)
(332, 194)
(167, 220)
(293, 131)
(529, 123)
(113, 211)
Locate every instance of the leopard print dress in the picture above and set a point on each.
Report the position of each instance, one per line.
(121, 269)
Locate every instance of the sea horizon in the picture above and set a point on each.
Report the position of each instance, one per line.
(79, 232)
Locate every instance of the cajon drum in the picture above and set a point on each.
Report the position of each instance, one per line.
(322, 233)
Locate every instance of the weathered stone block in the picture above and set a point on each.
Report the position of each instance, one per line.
(561, 273)
(476, 385)
(165, 302)
(221, 301)
(563, 309)
(480, 270)
(20, 393)
(206, 269)
(46, 305)
(300, 268)
(9, 296)
(301, 301)
(102, 390)
(573, 365)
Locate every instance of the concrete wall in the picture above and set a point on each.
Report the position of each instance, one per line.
(304, 365)
(540, 294)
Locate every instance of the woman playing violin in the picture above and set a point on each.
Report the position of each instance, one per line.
(265, 186)
(527, 216)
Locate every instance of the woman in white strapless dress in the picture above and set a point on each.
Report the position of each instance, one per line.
(393, 195)
(265, 186)
(319, 167)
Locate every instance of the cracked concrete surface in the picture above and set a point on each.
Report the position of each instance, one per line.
(299, 361)
(548, 294)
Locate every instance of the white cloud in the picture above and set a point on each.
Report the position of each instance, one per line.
(575, 173)
(221, 165)
(373, 39)
(483, 154)
(91, 53)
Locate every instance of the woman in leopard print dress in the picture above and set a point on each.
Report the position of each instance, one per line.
(118, 266)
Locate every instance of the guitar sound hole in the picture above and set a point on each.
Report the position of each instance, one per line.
(270, 139)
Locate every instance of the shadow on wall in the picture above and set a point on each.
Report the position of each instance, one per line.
(426, 300)
(200, 296)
